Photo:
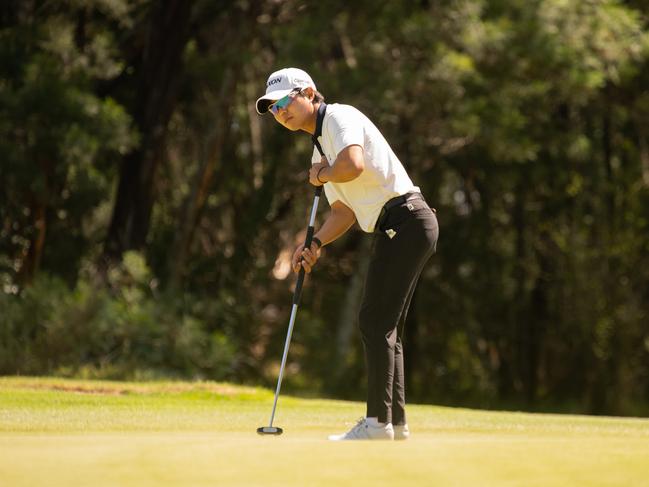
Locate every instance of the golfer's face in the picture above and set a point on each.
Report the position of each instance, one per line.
(294, 115)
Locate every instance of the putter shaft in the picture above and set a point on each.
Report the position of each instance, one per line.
(296, 301)
(281, 369)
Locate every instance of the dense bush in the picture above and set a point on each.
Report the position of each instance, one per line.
(130, 126)
(113, 328)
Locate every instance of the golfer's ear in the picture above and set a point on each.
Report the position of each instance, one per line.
(310, 94)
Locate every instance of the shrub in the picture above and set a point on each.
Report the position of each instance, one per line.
(117, 328)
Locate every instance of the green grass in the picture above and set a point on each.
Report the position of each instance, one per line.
(56, 432)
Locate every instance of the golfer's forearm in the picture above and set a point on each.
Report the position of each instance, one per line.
(348, 166)
(342, 172)
(336, 224)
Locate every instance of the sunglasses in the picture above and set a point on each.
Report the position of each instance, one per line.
(283, 102)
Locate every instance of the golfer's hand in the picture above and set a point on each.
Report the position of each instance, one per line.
(305, 258)
(313, 172)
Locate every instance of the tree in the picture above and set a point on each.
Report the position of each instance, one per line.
(157, 69)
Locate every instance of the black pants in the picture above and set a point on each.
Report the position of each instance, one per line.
(393, 273)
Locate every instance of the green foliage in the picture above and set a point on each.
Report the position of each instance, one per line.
(56, 136)
(524, 123)
(118, 330)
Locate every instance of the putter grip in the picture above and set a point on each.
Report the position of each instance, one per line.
(298, 287)
(307, 244)
(300, 277)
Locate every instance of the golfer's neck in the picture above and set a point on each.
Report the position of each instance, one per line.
(309, 126)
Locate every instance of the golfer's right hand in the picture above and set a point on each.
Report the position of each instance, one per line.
(305, 258)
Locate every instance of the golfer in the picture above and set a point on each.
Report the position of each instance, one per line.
(364, 182)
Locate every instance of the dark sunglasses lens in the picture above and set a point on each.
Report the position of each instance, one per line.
(281, 103)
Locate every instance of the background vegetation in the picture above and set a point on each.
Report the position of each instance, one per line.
(147, 212)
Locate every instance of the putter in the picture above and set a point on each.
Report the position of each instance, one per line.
(270, 429)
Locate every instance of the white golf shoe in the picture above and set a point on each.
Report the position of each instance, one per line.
(401, 432)
(365, 431)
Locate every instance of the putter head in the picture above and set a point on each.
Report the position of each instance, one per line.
(270, 430)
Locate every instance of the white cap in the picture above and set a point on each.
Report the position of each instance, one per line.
(280, 84)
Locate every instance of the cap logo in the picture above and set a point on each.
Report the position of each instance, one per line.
(273, 81)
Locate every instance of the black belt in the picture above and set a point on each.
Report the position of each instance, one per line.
(391, 203)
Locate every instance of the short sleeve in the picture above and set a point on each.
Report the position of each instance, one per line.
(346, 128)
(331, 193)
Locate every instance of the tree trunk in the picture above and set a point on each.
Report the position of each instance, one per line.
(507, 376)
(348, 316)
(38, 211)
(537, 322)
(32, 260)
(200, 187)
(159, 71)
(411, 350)
(644, 159)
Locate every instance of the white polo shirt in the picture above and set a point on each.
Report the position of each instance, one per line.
(383, 178)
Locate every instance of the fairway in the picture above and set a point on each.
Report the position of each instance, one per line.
(56, 432)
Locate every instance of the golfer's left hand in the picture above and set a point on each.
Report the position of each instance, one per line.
(313, 173)
(306, 258)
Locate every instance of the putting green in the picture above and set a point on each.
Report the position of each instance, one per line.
(56, 432)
